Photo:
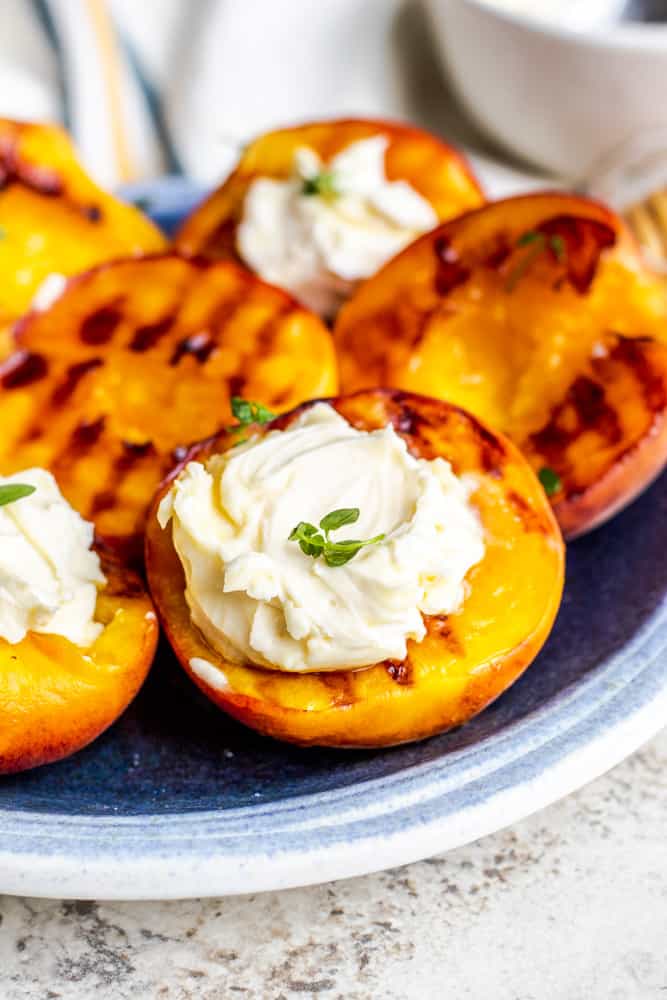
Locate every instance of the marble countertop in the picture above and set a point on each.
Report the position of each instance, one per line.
(570, 904)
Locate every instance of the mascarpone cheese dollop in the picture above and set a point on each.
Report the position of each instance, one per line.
(49, 577)
(318, 245)
(258, 598)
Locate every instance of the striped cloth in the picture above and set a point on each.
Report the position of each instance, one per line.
(154, 86)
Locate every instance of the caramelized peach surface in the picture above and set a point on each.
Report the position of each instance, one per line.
(538, 315)
(138, 358)
(56, 697)
(54, 218)
(466, 660)
(434, 169)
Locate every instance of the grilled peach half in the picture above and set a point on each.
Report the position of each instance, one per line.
(54, 217)
(466, 659)
(539, 316)
(435, 170)
(56, 697)
(136, 359)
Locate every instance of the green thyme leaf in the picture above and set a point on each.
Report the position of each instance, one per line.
(313, 546)
(337, 518)
(550, 480)
(313, 543)
(248, 412)
(338, 553)
(303, 530)
(261, 414)
(14, 491)
(537, 243)
(310, 540)
(242, 410)
(557, 245)
(532, 236)
(322, 185)
(335, 558)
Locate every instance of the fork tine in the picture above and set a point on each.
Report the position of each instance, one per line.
(647, 229)
(658, 205)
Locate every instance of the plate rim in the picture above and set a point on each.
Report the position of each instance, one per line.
(582, 731)
(183, 865)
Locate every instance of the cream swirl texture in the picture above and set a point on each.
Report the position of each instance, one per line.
(319, 245)
(49, 575)
(254, 594)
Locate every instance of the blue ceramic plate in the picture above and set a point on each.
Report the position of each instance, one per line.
(177, 800)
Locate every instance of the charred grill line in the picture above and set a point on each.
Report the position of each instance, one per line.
(82, 438)
(14, 170)
(199, 345)
(148, 336)
(401, 672)
(131, 454)
(100, 326)
(73, 376)
(441, 626)
(450, 271)
(23, 368)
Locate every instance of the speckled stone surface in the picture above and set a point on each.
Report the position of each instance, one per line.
(570, 904)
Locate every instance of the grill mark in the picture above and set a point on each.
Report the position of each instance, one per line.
(81, 440)
(221, 242)
(85, 436)
(450, 271)
(131, 454)
(236, 384)
(422, 324)
(123, 582)
(23, 368)
(148, 336)
(279, 398)
(104, 500)
(199, 345)
(367, 344)
(499, 253)
(224, 313)
(631, 352)
(584, 240)
(441, 627)
(491, 451)
(32, 434)
(99, 327)
(266, 335)
(73, 376)
(413, 424)
(400, 671)
(530, 519)
(408, 421)
(15, 170)
(339, 686)
(584, 407)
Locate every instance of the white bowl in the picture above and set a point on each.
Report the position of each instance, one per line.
(559, 98)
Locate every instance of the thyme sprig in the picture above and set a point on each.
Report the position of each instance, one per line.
(11, 492)
(536, 244)
(317, 542)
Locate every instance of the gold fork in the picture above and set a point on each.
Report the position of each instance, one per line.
(648, 220)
